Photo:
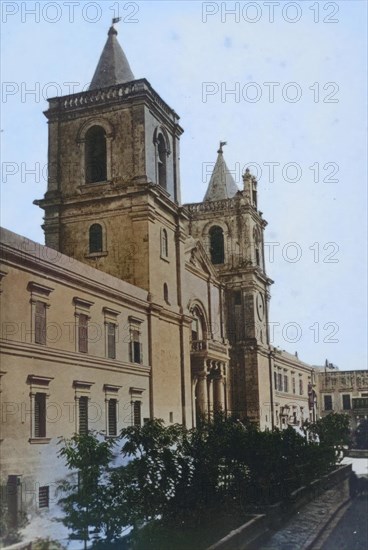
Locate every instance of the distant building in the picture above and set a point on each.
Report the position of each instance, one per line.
(294, 397)
(342, 392)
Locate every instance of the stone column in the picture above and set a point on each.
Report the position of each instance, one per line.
(201, 395)
(219, 390)
(194, 401)
(210, 394)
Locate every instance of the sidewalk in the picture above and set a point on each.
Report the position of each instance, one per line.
(300, 531)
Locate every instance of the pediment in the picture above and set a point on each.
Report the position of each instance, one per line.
(196, 257)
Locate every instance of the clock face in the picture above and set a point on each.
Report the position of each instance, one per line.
(260, 306)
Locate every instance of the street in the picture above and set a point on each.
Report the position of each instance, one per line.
(351, 531)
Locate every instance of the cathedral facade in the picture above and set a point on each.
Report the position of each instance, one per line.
(138, 306)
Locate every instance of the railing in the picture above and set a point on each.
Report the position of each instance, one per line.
(106, 95)
(209, 345)
(209, 206)
(360, 403)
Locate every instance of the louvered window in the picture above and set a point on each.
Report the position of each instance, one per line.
(137, 420)
(111, 341)
(112, 416)
(96, 155)
(83, 415)
(44, 496)
(83, 333)
(217, 248)
(162, 158)
(136, 347)
(95, 238)
(40, 323)
(40, 415)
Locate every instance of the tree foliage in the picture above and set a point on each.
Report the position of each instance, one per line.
(180, 478)
(361, 435)
(333, 431)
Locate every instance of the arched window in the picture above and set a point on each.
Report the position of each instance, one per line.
(257, 246)
(95, 238)
(164, 243)
(198, 324)
(166, 293)
(217, 249)
(162, 157)
(95, 155)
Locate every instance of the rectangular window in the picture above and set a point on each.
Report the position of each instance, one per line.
(111, 340)
(40, 415)
(327, 402)
(44, 496)
(346, 402)
(275, 379)
(136, 347)
(83, 415)
(83, 333)
(112, 417)
(279, 380)
(301, 386)
(40, 323)
(137, 420)
(294, 385)
(286, 383)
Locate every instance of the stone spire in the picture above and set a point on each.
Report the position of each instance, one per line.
(222, 184)
(113, 67)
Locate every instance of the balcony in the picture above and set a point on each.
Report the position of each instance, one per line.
(209, 349)
(360, 404)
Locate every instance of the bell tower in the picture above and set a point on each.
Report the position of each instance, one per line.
(114, 190)
(231, 229)
(113, 202)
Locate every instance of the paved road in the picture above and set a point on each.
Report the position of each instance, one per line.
(298, 531)
(351, 532)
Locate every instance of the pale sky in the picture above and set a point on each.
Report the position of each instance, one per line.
(298, 107)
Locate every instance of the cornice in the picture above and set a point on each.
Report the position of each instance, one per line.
(44, 353)
(61, 275)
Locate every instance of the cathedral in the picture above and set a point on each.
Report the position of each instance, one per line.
(138, 306)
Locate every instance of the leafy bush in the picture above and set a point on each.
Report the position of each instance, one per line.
(361, 435)
(333, 432)
(176, 480)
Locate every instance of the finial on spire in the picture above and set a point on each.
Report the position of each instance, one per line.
(112, 29)
(222, 143)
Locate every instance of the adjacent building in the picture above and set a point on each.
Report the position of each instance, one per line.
(342, 392)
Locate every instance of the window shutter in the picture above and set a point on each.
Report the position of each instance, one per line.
(40, 323)
(111, 347)
(43, 496)
(137, 421)
(112, 417)
(83, 415)
(83, 333)
(95, 238)
(40, 415)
